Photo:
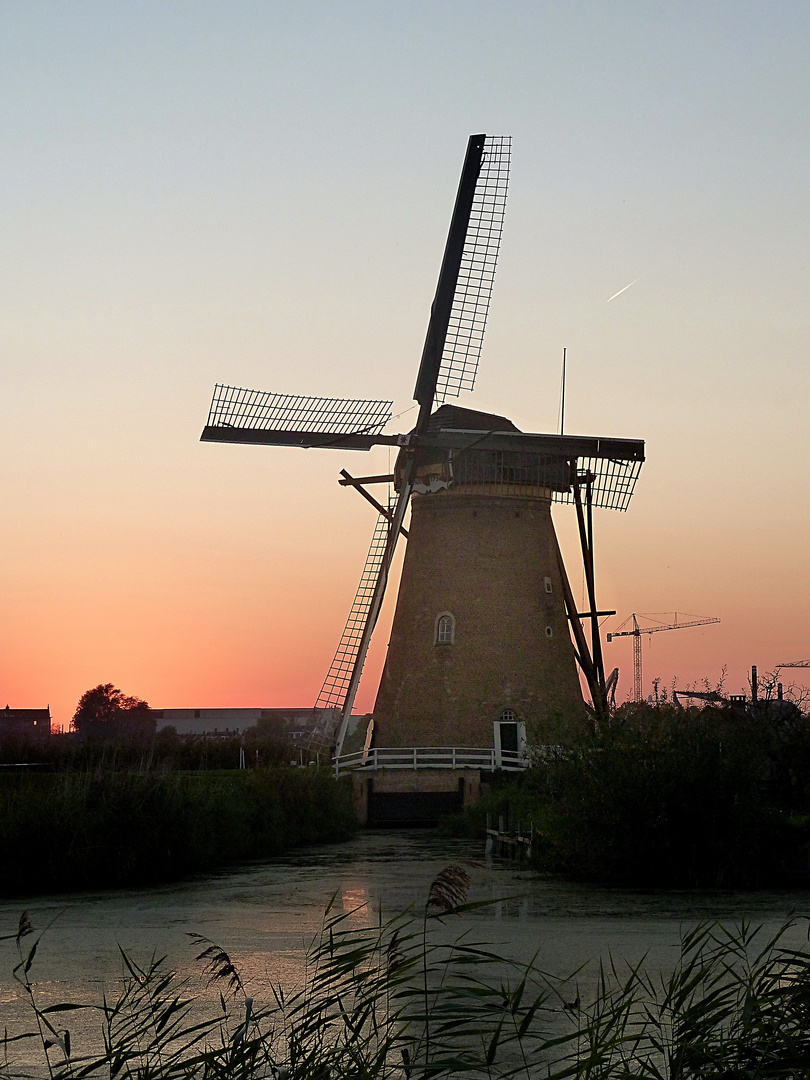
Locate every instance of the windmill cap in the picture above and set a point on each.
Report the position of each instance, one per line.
(452, 417)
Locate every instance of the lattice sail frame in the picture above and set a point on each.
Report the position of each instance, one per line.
(468, 317)
(613, 485)
(236, 407)
(336, 683)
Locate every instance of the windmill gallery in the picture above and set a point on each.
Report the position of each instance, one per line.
(486, 636)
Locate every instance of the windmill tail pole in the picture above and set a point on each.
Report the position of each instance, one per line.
(598, 688)
(581, 650)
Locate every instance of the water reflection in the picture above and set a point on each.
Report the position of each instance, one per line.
(266, 916)
(356, 907)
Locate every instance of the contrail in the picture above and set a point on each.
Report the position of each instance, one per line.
(619, 293)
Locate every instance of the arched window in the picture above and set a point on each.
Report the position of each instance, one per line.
(445, 629)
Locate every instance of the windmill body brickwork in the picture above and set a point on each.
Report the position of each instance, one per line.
(482, 561)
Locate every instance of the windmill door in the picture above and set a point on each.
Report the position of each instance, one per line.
(510, 739)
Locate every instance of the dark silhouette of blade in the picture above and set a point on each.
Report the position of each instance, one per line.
(425, 390)
(468, 318)
(459, 312)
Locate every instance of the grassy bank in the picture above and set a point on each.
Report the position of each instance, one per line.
(670, 798)
(142, 752)
(104, 829)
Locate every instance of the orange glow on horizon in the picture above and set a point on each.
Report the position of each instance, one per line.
(260, 196)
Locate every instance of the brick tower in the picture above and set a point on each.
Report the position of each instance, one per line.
(480, 635)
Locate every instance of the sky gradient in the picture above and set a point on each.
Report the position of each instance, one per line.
(258, 193)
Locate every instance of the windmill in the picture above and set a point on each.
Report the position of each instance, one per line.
(451, 460)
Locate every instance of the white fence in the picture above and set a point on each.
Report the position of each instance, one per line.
(433, 757)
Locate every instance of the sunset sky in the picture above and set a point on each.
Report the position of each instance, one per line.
(258, 193)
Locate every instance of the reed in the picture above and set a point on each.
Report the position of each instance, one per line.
(102, 829)
(127, 751)
(409, 998)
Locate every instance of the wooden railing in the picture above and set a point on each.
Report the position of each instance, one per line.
(433, 757)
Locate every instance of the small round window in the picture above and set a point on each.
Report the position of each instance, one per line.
(549, 632)
(445, 629)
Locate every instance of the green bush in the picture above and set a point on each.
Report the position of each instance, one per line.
(667, 797)
(687, 798)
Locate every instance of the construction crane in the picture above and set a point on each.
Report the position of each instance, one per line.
(636, 631)
(796, 663)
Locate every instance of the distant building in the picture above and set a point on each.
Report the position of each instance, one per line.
(25, 723)
(295, 725)
(207, 721)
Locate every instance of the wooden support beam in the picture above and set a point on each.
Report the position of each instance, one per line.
(585, 522)
(581, 650)
(351, 481)
(354, 480)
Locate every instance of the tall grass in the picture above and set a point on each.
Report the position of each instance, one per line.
(408, 998)
(127, 751)
(102, 829)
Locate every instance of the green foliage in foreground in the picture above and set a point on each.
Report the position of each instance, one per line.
(406, 999)
(80, 830)
(667, 797)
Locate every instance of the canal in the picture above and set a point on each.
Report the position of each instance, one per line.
(265, 917)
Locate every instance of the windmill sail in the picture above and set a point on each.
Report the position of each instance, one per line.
(233, 406)
(240, 415)
(448, 296)
(468, 316)
(339, 677)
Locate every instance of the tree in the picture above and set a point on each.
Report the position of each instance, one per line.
(107, 710)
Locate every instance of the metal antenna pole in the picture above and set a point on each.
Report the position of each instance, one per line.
(562, 398)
